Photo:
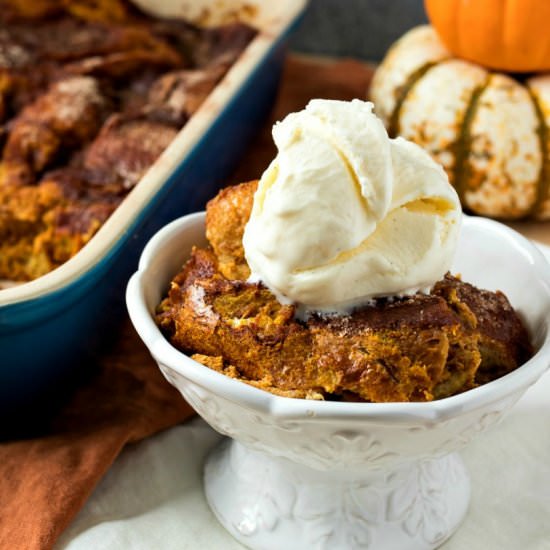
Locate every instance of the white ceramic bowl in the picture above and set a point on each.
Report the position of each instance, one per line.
(308, 474)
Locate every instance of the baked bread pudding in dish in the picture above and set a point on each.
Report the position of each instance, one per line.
(328, 278)
(90, 96)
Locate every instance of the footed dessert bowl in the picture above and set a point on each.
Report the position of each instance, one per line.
(298, 473)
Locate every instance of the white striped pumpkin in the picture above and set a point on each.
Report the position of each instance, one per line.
(489, 131)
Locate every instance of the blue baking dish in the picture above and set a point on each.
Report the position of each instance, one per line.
(51, 327)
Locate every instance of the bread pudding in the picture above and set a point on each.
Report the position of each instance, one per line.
(413, 348)
(91, 93)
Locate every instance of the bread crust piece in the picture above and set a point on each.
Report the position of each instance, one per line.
(503, 340)
(394, 351)
(413, 349)
(226, 216)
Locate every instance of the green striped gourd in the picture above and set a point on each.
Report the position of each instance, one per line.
(488, 130)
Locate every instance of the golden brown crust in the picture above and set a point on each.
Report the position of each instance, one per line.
(126, 147)
(389, 352)
(226, 216)
(503, 340)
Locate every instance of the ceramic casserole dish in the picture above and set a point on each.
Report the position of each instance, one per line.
(50, 327)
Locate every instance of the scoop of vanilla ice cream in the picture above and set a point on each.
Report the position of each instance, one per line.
(344, 214)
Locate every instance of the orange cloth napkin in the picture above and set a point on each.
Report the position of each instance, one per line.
(44, 481)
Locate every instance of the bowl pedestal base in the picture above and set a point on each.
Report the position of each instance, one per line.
(272, 503)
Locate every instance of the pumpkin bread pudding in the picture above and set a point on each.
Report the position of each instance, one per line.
(329, 277)
(91, 93)
(416, 348)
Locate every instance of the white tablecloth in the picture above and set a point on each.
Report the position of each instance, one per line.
(152, 496)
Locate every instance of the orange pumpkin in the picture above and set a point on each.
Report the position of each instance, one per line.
(508, 35)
